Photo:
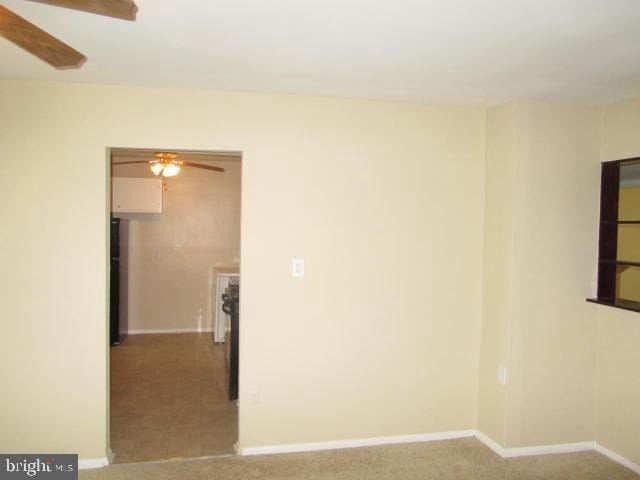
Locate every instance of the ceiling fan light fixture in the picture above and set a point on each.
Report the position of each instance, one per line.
(170, 170)
(165, 163)
(157, 168)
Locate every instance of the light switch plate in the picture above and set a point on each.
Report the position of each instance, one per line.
(297, 266)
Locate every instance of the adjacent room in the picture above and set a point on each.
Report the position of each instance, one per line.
(431, 209)
(628, 235)
(175, 252)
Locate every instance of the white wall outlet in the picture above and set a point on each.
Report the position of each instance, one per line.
(297, 267)
(502, 374)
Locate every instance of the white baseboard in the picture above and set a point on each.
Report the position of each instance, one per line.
(617, 458)
(551, 449)
(86, 463)
(173, 330)
(428, 437)
(360, 442)
(491, 443)
(534, 450)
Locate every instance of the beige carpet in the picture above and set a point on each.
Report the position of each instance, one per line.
(444, 460)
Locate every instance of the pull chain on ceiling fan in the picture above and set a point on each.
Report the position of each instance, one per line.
(48, 48)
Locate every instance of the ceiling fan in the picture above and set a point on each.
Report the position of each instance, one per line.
(166, 164)
(47, 47)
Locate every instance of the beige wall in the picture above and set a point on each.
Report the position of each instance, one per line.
(572, 365)
(377, 332)
(542, 187)
(499, 211)
(553, 333)
(171, 255)
(618, 381)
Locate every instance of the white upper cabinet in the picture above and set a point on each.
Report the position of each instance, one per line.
(136, 195)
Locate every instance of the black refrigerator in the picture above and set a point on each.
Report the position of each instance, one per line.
(118, 299)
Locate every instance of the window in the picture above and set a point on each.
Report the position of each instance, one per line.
(619, 241)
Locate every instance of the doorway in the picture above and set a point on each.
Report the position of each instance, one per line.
(175, 231)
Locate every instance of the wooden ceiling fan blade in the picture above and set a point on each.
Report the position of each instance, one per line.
(206, 167)
(123, 9)
(129, 163)
(38, 42)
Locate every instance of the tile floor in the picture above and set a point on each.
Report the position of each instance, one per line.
(168, 398)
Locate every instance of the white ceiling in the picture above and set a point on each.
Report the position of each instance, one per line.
(475, 51)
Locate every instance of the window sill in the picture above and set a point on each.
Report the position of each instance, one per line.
(617, 303)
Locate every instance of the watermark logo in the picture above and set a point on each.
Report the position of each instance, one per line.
(61, 466)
